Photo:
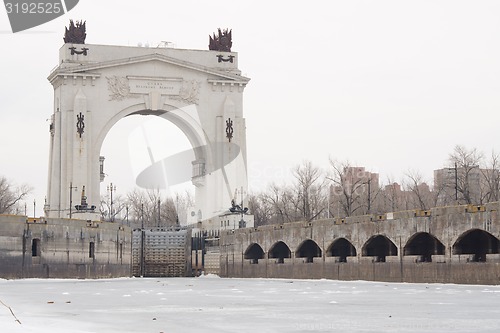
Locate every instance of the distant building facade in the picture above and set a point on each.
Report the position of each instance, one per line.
(356, 194)
(459, 185)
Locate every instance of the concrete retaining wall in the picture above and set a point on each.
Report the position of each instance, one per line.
(466, 273)
(449, 227)
(63, 248)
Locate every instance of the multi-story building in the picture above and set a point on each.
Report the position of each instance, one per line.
(458, 185)
(355, 194)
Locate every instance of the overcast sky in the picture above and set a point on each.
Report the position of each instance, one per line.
(390, 85)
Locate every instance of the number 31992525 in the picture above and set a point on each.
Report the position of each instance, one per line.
(34, 8)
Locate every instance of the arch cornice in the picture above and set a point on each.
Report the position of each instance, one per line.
(73, 69)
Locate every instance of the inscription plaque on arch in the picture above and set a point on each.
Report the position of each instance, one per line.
(165, 86)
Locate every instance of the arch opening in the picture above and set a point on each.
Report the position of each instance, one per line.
(254, 252)
(341, 248)
(477, 243)
(36, 250)
(379, 247)
(144, 140)
(279, 251)
(179, 117)
(424, 245)
(148, 152)
(308, 249)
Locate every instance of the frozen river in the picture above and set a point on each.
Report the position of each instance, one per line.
(212, 304)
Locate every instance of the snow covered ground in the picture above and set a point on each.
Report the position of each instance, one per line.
(212, 304)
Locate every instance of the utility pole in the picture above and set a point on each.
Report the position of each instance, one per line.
(111, 188)
(177, 209)
(328, 203)
(456, 183)
(71, 187)
(159, 215)
(143, 237)
(126, 208)
(369, 193)
(34, 208)
(142, 216)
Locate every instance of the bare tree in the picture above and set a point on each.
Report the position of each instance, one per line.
(260, 209)
(419, 194)
(183, 203)
(307, 185)
(149, 209)
(10, 195)
(168, 213)
(439, 191)
(491, 179)
(350, 187)
(309, 190)
(392, 198)
(466, 162)
(111, 210)
(278, 200)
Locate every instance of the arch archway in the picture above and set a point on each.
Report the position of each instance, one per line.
(254, 252)
(279, 251)
(308, 249)
(341, 248)
(379, 246)
(477, 243)
(424, 245)
(191, 88)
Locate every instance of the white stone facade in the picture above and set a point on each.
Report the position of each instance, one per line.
(107, 83)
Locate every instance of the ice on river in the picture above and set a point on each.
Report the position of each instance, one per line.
(212, 304)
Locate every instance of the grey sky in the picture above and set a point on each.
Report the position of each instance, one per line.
(389, 85)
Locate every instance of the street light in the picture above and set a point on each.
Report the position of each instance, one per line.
(142, 216)
(128, 224)
(456, 183)
(71, 187)
(111, 188)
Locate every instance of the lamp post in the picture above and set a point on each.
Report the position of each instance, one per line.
(455, 169)
(369, 193)
(177, 210)
(126, 208)
(71, 187)
(159, 213)
(328, 204)
(142, 216)
(456, 183)
(111, 188)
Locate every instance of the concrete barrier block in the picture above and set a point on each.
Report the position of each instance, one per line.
(438, 258)
(411, 259)
(493, 257)
(392, 259)
(352, 259)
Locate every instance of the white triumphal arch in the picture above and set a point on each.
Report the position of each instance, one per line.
(97, 85)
